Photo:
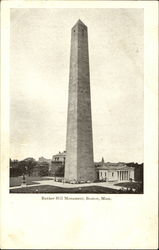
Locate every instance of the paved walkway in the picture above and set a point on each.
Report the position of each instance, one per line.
(68, 185)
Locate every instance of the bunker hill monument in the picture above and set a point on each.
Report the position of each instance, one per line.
(79, 143)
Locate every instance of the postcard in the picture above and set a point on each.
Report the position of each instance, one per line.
(79, 129)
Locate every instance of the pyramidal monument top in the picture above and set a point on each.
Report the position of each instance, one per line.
(79, 22)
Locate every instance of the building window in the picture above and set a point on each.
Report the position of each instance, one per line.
(105, 174)
(112, 174)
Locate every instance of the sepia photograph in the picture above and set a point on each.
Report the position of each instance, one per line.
(79, 125)
(76, 100)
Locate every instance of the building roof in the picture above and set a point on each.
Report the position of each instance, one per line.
(60, 154)
(114, 167)
(43, 159)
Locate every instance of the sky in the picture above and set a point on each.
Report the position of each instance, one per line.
(39, 77)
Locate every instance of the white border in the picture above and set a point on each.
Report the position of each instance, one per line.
(125, 222)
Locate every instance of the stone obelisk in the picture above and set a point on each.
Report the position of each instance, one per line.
(79, 144)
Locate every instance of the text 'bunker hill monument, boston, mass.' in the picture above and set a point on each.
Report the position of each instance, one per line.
(79, 144)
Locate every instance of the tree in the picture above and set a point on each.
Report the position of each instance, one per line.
(44, 169)
(60, 171)
(27, 165)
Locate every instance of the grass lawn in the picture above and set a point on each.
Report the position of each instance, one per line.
(128, 184)
(55, 189)
(137, 185)
(17, 181)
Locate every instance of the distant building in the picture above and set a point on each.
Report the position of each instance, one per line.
(114, 172)
(61, 156)
(43, 159)
(57, 164)
(105, 171)
(42, 167)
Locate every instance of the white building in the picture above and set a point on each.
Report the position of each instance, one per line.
(115, 172)
(61, 156)
(43, 159)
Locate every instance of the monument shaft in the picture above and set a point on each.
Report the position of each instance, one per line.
(79, 145)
